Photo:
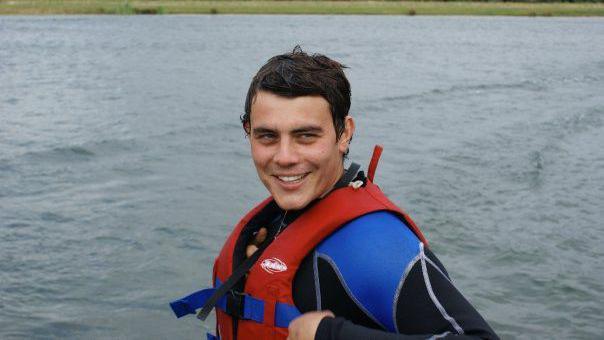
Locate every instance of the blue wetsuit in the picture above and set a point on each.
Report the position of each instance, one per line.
(378, 278)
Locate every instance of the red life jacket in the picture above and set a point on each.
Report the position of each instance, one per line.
(271, 278)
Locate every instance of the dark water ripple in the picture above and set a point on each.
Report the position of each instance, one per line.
(461, 90)
(123, 164)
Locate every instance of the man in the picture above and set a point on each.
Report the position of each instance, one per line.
(327, 256)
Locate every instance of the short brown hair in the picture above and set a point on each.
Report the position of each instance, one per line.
(298, 74)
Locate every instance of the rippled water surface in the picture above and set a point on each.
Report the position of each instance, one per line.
(123, 165)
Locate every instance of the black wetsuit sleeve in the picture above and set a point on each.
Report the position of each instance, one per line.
(340, 328)
(428, 306)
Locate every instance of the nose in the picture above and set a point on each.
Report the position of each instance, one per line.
(286, 154)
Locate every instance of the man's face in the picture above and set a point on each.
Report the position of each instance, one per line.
(294, 147)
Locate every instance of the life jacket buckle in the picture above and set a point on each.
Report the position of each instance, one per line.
(235, 303)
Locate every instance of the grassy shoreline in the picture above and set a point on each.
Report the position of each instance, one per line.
(126, 7)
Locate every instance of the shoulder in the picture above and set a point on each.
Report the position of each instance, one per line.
(371, 256)
(372, 238)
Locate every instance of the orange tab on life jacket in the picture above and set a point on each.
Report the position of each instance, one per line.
(375, 158)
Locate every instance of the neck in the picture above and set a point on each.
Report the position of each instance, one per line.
(340, 173)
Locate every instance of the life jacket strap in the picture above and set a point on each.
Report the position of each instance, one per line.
(243, 306)
(237, 305)
(285, 313)
(348, 176)
(375, 158)
(188, 304)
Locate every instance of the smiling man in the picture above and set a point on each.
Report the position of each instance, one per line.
(327, 255)
(295, 148)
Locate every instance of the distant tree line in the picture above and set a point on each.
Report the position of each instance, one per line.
(524, 1)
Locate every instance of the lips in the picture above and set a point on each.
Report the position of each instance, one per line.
(291, 179)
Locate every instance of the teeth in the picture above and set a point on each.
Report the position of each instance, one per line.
(290, 178)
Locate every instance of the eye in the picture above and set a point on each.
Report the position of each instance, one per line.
(266, 137)
(307, 137)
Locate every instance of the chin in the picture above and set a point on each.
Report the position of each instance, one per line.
(290, 204)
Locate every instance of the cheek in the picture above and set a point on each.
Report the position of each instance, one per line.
(260, 155)
(322, 156)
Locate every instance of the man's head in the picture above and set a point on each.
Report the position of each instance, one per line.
(296, 116)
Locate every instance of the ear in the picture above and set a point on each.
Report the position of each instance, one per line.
(346, 136)
(247, 128)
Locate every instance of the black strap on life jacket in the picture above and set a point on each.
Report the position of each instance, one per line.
(244, 267)
(237, 274)
(348, 176)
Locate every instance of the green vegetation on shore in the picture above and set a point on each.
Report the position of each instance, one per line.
(32, 7)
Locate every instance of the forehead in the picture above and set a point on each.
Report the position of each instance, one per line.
(274, 111)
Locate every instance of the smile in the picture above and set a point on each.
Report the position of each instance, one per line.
(292, 179)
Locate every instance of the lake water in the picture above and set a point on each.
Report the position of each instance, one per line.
(123, 165)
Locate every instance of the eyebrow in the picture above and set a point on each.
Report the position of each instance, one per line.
(262, 130)
(303, 129)
(307, 129)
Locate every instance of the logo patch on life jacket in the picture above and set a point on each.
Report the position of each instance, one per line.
(273, 265)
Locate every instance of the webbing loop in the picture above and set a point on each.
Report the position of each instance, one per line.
(375, 158)
(212, 337)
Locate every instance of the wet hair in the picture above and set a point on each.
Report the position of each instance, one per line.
(299, 74)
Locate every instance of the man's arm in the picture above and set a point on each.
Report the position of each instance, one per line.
(428, 306)
(394, 286)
